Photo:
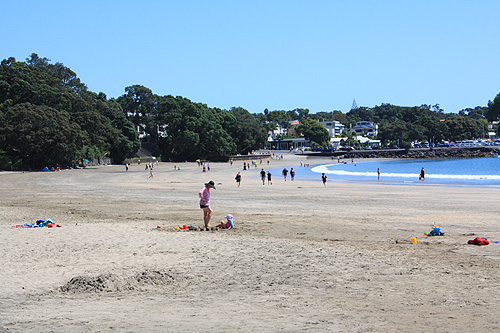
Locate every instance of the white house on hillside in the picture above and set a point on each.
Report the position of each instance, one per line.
(365, 127)
(334, 128)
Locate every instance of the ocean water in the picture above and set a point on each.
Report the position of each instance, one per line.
(464, 171)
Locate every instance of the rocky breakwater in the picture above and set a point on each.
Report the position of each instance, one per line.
(445, 152)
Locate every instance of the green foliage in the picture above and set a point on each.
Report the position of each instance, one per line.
(493, 112)
(193, 130)
(36, 136)
(140, 104)
(40, 86)
(421, 123)
(247, 132)
(479, 112)
(280, 117)
(49, 117)
(461, 128)
(351, 140)
(314, 131)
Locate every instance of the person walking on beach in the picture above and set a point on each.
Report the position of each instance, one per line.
(285, 173)
(204, 195)
(323, 179)
(378, 173)
(422, 175)
(238, 178)
(292, 174)
(151, 172)
(263, 176)
(126, 166)
(269, 182)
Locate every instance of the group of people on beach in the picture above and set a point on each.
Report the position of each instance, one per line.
(204, 193)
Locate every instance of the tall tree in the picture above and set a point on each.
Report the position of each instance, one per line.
(37, 136)
(493, 112)
(140, 105)
(314, 131)
(248, 133)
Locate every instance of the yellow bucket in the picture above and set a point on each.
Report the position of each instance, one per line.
(413, 240)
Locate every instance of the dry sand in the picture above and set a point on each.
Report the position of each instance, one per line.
(303, 257)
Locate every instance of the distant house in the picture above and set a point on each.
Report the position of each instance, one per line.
(336, 142)
(368, 142)
(286, 144)
(277, 132)
(280, 130)
(367, 128)
(334, 128)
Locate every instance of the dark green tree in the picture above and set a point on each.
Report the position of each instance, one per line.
(395, 131)
(493, 112)
(140, 105)
(462, 128)
(40, 83)
(36, 136)
(247, 132)
(314, 131)
(192, 130)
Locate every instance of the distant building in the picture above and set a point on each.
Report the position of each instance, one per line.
(286, 144)
(277, 132)
(365, 142)
(280, 130)
(367, 128)
(141, 129)
(334, 128)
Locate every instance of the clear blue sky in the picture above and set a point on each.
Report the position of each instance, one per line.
(279, 55)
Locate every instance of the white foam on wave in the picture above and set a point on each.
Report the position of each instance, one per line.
(324, 169)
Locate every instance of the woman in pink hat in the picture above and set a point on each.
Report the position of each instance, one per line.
(204, 195)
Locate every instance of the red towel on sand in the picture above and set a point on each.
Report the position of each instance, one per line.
(478, 241)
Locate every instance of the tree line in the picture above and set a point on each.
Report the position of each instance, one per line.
(49, 117)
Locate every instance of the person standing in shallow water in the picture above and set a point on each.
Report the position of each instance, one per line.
(422, 174)
(292, 174)
(378, 173)
(204, 195)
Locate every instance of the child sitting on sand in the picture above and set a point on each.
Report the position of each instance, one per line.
(226, 225)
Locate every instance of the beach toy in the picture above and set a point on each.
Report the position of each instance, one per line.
(177, 228)
(425, 233)
(437, 230)
(158, 227)
(184, 226)
(413, 240)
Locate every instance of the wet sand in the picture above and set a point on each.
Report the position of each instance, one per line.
(302, 257)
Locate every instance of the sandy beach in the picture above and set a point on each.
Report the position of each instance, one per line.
(302, 257)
